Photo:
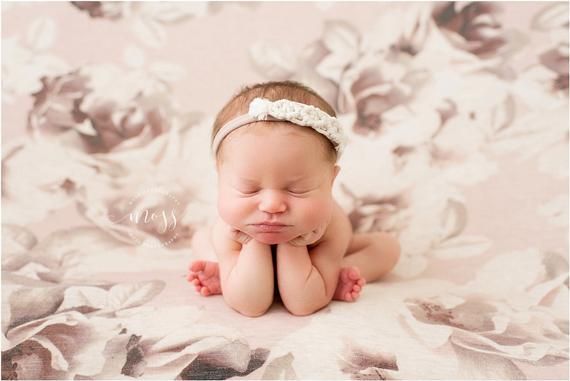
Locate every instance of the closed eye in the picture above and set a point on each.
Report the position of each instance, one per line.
(249, 192)
(299, 193)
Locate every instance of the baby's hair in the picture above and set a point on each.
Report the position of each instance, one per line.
(275, 90)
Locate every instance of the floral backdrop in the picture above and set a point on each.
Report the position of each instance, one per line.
(457, 115)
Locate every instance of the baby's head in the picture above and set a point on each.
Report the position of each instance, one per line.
(275, 176)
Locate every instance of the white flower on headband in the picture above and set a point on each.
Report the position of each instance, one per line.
(259, 108)
(300, 114)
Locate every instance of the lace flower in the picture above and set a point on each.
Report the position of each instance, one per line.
(300, 114)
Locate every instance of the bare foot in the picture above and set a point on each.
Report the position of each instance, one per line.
(205, 276)
(349, 285)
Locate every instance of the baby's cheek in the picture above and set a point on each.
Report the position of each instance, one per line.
(317, 212)
(231, 210)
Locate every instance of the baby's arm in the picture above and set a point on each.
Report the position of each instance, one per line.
(308, 278)
(306, 285)
(246, 272)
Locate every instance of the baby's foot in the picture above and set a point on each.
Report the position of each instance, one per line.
(349, 285)
(205, 276)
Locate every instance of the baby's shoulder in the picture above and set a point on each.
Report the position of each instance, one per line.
(340, 217)
(339, 227)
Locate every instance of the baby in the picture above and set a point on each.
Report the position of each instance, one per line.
(276, 147)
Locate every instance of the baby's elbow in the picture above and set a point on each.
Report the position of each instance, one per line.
(300, 310)
(305, 308)
(249, 308)
(252, 312)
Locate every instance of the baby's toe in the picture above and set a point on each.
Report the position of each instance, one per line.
(354, 274)
(197, 266)
(356, 288)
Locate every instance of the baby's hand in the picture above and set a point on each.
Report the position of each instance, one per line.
(310, 237)
(239, 236)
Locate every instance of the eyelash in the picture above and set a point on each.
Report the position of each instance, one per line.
(298, 193)
(252, 193)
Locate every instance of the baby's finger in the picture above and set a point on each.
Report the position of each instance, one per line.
(298, 241)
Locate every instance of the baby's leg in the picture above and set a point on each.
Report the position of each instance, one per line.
(373, 254)
(368, 257)
(204, 274)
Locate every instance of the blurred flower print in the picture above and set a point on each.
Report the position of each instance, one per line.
(101, 9)
(82, 111)
(510, 317)
(472, 26)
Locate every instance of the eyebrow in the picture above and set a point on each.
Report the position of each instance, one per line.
(247, 181)
(295, 180)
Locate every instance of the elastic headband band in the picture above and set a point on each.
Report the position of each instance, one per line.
(298, 113)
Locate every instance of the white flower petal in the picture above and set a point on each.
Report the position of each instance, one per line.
(86, 128)
(133, 56)
(552, 16)
(341, 38)
(41, 34)
(168, 72)
(277, 63)
(149, 31)
(556, 211)
(26, 331)
(462, 247)
(80, 296)
(124, 296)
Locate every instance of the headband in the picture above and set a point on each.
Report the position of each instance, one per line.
(294, 112)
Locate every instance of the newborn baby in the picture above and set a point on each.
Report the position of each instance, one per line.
(276, 147)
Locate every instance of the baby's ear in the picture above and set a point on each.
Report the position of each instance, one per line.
(336, 171)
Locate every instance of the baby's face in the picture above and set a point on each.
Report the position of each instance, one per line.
(275, 183)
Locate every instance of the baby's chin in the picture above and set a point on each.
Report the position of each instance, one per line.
(272, 238)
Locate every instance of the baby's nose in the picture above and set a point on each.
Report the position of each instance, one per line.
(272, 202)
